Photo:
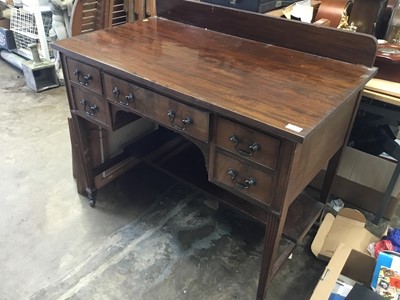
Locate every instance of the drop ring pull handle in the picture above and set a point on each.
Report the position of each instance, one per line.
(249, 182)
(116, 92)
(128, 99)
(185, 122)
(251, 149)
(90, 110)
(82, 78)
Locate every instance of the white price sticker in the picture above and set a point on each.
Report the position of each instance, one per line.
(294, 127)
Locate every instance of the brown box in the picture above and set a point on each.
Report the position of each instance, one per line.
(346, 261)
(362, 180)
(348, 228)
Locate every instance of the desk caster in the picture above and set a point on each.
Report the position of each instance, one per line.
(91, 193)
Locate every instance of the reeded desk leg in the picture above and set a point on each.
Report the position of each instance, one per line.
(273, 232)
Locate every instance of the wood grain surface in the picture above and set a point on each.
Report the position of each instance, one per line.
(265, 86)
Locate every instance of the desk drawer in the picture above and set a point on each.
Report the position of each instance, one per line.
(251, 144)
(243, 178)
(91, 106)
(178, 116)
(84, 75)
(120, 91)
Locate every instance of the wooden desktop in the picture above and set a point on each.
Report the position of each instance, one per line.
(246, 107)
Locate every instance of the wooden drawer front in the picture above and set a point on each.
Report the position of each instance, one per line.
(120, 91)
(243, 178)
(180, 117)
(84, 75)
(258, 147)
(91, 106)
(177, 116)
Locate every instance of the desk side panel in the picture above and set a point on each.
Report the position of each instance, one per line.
(328, 138)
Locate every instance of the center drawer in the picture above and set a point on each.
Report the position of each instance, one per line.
(173, 114)
(248, 143)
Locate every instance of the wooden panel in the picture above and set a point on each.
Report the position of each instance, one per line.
(84, 75)
(327, 139)
(384, 87)
(263, 182)
(327, 42)
(265, 148)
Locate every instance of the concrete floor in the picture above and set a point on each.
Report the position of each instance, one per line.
(149, 237)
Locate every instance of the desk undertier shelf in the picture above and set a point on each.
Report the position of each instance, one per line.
(181, 159)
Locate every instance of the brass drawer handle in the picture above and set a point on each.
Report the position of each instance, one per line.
(128, 99)
(83, 79)
(90, 110)
(185, 122)
(246, 184)
(251, 148)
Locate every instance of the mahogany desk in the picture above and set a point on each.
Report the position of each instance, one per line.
(249, 121)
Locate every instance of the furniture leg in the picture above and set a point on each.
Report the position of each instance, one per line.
(86, 178)
(330, 175)
(273, 232)
(388, 192)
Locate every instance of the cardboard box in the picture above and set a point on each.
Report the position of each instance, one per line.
(348, 262)
(348, 228)
(362, 180)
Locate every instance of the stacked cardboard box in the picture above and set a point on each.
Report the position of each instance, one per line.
(362, 180)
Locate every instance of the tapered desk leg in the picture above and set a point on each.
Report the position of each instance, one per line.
(273, 232)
